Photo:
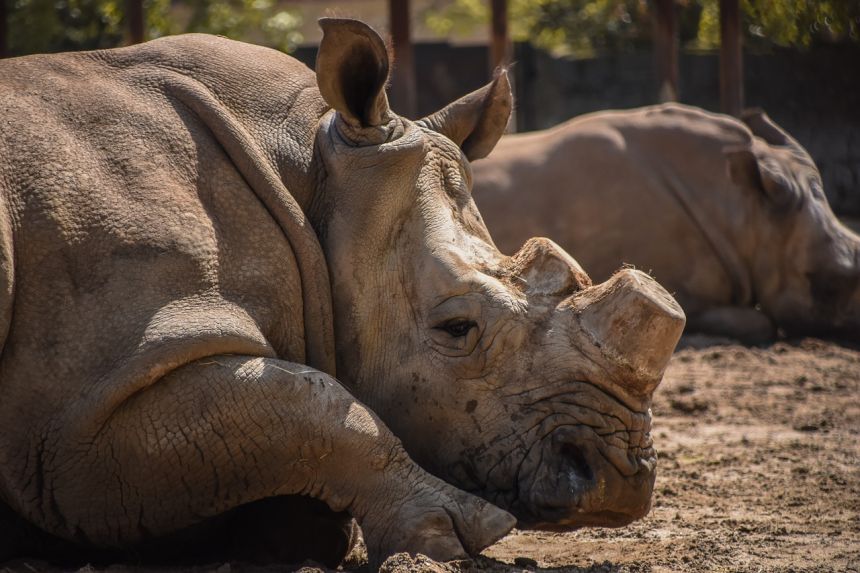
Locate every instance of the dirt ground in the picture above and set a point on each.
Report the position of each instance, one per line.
(759, 471)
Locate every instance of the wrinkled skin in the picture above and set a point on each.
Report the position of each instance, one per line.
(728, 215)
(189, 264)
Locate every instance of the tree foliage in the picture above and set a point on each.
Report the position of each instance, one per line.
(587, 26)
(581, 26)
(258, 20)
(798, 23)
(803, 22)
(59, 25)
(55, 25)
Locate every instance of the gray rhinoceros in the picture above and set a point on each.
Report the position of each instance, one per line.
(728, 215)
(226, 281)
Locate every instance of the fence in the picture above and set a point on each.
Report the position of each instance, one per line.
(814, 95)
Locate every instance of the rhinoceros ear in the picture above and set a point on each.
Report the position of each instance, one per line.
(761, 125)
(476, 121)
(760, 169)
(352, 69)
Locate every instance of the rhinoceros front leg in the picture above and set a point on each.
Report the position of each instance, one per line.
(228, 430)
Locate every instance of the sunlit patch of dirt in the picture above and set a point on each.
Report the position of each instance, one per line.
(759, 470)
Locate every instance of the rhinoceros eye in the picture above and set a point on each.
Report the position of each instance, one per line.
(458, 327)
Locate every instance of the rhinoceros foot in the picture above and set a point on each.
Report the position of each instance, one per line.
(434, 519)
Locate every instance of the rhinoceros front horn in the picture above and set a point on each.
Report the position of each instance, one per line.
(635, 324)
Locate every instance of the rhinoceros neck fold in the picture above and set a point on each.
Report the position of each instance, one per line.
(718, 239)
(7, 272)
(248, 157)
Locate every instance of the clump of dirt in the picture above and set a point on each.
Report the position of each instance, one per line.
(405, 563)
(759, 471)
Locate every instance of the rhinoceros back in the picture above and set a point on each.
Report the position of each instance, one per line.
(138, 245)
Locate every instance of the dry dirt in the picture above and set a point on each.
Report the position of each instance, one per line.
(759, 472)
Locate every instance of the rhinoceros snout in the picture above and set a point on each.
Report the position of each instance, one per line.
(635, 324)
(583, 481)
(587, 471)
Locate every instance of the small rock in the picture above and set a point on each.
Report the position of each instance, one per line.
(525, 562)
(688, 405)
(406, 563)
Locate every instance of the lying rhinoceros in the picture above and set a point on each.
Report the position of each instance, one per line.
(728, 215)
(228, 281)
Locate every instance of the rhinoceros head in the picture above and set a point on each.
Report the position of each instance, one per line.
(806, 264)
(512, 377)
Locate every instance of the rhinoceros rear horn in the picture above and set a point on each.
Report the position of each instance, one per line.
(352, 69)
(476, 121)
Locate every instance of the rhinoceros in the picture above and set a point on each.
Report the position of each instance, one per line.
(228, 281)
(729, 215)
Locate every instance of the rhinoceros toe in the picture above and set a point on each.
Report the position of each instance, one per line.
(436, 520)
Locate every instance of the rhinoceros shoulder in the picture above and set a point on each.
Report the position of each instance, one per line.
(138, 243)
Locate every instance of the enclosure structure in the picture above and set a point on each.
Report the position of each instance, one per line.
(403, 87)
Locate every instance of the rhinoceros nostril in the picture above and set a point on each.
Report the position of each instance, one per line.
(575, 460)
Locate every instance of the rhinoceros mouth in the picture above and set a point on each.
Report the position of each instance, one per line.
(577, 480)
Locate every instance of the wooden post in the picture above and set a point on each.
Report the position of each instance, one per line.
(500, 46)
(4, 48)
(731, 58)
(665, 30)
(403, 96)
(134, 21)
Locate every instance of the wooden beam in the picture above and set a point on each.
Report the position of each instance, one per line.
(403, 95)
(4, 47)
(664, 18)
(500, 45)
(134, 21)
(731, 58)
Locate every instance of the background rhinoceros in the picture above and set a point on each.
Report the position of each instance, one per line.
(728, 215)
(194, 244)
